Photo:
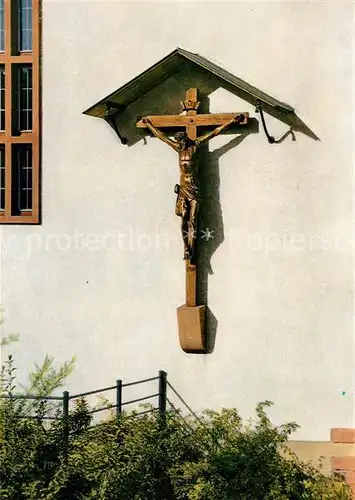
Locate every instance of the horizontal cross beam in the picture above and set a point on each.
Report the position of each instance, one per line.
(209, 120)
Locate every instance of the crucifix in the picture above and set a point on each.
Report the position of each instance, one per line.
(191, 317)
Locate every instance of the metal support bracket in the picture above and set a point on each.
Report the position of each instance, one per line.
(111, 109)
(270, 138)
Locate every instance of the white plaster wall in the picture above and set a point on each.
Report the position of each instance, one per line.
(282, 284)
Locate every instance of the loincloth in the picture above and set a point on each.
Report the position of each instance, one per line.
(186, 195)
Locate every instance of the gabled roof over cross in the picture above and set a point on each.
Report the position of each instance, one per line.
(180, 60)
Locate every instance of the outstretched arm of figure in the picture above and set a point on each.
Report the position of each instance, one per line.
(204, 138)
(158, 133)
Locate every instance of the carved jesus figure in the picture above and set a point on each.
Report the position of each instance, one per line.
(187, 202)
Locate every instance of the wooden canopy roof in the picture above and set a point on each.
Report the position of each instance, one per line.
(181, 59)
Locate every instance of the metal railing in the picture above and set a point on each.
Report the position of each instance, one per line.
(67, 397)
(118, 406)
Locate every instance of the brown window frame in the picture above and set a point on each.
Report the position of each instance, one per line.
(11, 58)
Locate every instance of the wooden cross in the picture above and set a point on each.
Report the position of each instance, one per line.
(191, 317)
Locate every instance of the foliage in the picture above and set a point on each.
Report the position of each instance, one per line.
(43, 381)
(141, 457)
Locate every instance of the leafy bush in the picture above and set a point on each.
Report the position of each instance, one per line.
(152, 457)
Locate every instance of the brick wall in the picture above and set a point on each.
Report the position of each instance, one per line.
(344, 464)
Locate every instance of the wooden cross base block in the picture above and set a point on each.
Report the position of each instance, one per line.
(191, 324)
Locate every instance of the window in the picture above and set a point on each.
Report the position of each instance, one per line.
(22, 178)
(2, 26)
(22, 102)
(25, 25)
(20, 128)
(2, 97)
(2, 178)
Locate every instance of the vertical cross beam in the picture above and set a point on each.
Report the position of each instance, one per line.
(191, 277)
(191, 318)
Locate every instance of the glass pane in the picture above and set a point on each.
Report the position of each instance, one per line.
(2, 25)
(23, 120)
(29, 11)
(25, 25)
(2, 98)
(29, 119)
(22, 178)
(2, 177)
(23, 99)
(24, 103)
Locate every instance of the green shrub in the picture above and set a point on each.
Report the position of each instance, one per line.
(147, 457)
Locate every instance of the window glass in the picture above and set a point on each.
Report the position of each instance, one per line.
(22, 177)
(25, 25)
(2, 27)
(2, 98)
(2, 177)
(24, 98)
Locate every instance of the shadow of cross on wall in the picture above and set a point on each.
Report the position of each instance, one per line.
(210, 223)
